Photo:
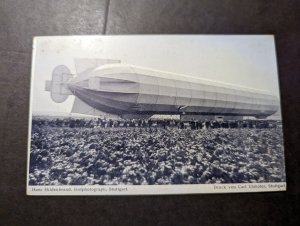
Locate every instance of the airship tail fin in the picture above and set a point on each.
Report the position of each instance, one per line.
(58, 86)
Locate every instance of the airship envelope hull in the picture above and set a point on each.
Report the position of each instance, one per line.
(126, 89)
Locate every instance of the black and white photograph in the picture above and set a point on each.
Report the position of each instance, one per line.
(155, 114)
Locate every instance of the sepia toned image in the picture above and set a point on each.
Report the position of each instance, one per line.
(155, 114)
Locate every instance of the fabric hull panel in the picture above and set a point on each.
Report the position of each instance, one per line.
(120, 103)
(129, 89)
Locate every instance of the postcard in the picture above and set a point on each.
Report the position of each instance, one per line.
(154, 115)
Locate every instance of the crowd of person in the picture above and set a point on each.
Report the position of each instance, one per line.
(89, 152)
(147, 123)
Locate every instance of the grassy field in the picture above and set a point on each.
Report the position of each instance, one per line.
(107, 156)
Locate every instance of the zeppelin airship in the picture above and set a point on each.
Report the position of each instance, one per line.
(130, 91)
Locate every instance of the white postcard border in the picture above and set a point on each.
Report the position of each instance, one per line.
(74, 190)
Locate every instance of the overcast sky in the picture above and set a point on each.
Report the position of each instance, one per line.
(248, 60)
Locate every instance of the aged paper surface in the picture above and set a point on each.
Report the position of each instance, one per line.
(154, 114)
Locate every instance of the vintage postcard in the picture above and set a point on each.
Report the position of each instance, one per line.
(154, 114)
